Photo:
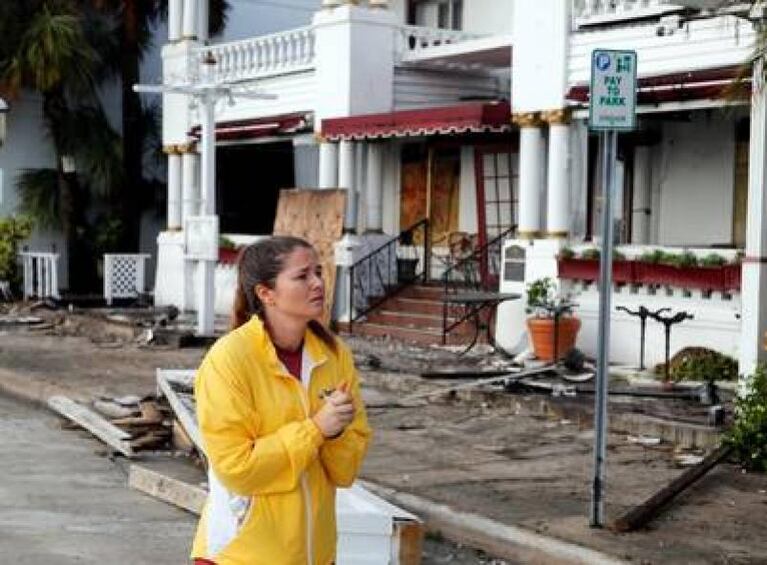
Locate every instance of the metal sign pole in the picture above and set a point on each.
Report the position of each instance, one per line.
(608, 149)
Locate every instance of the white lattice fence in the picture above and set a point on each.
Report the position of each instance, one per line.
(41, 278)
(124, 275)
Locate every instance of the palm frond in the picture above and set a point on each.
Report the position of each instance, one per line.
(39, 193)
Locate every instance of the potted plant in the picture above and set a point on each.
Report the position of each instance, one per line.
(227, 250)
(551, 326)
(586, 267)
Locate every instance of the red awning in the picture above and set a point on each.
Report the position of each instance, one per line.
(260, 127)
(474, 117)
(677, 87)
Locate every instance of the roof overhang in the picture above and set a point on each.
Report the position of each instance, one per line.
(472, 117)
(493, 52)
(718, 83)
(285, 124)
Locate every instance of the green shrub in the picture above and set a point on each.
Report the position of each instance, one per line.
(13, 230)
(701, 364)
(592, 254)
(712, 260)
(686, 259)
(748, 437)
(566, 253)
(226, 243)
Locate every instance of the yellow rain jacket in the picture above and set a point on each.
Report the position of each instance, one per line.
(272, 475)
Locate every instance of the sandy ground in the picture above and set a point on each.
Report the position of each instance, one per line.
(510, 457)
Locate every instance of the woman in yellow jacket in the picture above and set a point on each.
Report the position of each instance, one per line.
(281, 417)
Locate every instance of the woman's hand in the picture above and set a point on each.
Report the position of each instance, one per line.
(337, 412)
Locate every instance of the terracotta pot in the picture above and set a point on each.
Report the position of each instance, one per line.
(541, 332)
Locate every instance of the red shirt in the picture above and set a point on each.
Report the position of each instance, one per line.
(291, 360)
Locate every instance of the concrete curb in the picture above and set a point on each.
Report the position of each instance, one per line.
(29, 388)
(497, 539)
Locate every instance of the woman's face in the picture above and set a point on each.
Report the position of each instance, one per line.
(299, 291)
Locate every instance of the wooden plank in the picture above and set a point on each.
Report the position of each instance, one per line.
(185, 416)
(642, 514)
(91, 421)
(318, 217)
(166, 488)
(408, 536)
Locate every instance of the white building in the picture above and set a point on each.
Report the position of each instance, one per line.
(476, 111)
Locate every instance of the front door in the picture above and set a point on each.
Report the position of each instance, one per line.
(497, 180)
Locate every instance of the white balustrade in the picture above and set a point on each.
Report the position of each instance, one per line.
(415, 40)
(596, 11)
(41, 278)
(289, 51)
(124, 275)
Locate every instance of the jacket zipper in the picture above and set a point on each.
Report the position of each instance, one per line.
(306, 492)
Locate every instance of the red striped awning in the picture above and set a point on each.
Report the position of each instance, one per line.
(708, 84)
(260, 127)
(473, 117)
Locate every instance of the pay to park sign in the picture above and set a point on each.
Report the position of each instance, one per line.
(613, 90)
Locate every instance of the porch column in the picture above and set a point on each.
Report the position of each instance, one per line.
(175, 19)
(346, 156)
(754, 274)
(328, 164)
(374, 223)
(174, 187)
(189, 25)
(531, 152)
(190, 187)
(641, 207)
(558, 203)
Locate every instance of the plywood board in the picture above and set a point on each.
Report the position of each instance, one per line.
(182, 403)
(161, 484)
(94, 423)
(318, 217)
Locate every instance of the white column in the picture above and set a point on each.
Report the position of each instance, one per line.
(754, 276)
(174, 188)
(374, 199)
(531, 154)
(558, 203)
(175, 19)
(189, 20)
(346, 181)
(328, 164)
(190, 187)
(361, 179)
(202, 20)
(642, 205)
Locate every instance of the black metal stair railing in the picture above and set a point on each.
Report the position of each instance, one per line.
(400, 262)
(477, 272)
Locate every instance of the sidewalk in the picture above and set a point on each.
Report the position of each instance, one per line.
(507, 473)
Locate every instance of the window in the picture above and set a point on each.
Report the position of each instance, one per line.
(444, 14)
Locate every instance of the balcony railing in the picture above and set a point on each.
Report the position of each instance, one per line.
(591, 12)
(417, 40)
(280, 53)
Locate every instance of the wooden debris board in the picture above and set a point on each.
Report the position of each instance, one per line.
(174, 385)
(162, 485)
(318, 217)
(91, 421)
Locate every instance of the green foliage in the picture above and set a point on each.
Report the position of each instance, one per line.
(683, 260)
(713, 260)
(591, 254)
(40, 196)
(748, 437)
(13, 230)
(701, 364)
(106, 235)
(618, 256)
(543, 300)
(566, 253)
(226, 243)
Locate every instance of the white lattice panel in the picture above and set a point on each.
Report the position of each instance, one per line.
(123, 275)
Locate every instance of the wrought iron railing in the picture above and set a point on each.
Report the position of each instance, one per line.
(477, 272)
(400, 262)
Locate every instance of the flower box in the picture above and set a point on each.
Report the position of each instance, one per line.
(703, 278)
(732, 274)
(588, 270)
(228, 255)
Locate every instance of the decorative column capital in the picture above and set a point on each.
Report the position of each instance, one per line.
(188, 147)
(562, 116)
(527, 119)
(171, 149)
(378, 4)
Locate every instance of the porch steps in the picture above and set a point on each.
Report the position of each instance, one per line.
(414, 316)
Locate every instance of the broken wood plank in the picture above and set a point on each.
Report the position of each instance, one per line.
(91, 421)
(645, 512)
(408, 538)
(185, 415)
(150, 439)
(166, 488)
(180, 438)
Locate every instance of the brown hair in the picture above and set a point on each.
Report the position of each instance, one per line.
(260, 263)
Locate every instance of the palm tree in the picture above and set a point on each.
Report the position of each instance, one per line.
(45, 49)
